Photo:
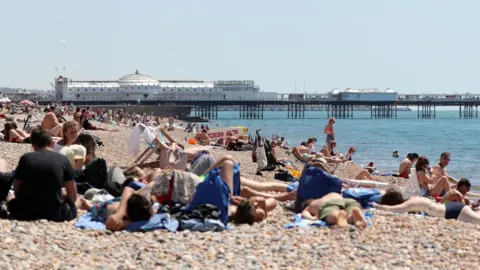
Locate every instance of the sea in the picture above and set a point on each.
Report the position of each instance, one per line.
(376, 139)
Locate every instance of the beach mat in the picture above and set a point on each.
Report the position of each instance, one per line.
(300, 222)
(157, 222)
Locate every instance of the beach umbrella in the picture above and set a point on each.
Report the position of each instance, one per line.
(2, 100)
(26, 102)
(7, 100)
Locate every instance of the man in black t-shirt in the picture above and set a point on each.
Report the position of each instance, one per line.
(39, 179)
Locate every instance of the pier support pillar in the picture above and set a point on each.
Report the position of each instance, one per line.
(208, 111)
(469, 111)
(251, 111)
(383, 111)
(340, 111)
(426, 111)
(296, 110)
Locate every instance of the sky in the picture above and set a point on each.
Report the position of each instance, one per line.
(411, 46)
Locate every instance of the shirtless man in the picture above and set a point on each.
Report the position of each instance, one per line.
(406, 165)
(441, 168)
(335, 210)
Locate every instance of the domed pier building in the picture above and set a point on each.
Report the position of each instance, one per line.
(138, 87)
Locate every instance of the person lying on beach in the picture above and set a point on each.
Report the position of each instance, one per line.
(335, 210)
(85, 123)
(301, 153)
(39, 179)
(406, 165)
(167, 186)
(453, 210)
(430, 186)
(15, 134)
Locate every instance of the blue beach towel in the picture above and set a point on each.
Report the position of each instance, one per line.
(158, 221)
(300, 222)
(364, 196)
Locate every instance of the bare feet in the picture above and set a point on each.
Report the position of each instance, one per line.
(358, 219)
(342, 219)
(338, 218)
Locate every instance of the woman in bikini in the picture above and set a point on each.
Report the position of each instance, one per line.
(329, 131)
(453, 210)
(15, 134)
(428, 185)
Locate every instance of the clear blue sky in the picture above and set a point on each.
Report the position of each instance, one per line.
(412, 46)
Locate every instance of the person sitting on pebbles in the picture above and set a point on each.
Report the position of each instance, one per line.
(335, 210)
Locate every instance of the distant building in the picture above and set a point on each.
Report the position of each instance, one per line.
(137, 86)
(367, 94)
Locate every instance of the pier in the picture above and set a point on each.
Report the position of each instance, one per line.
(342, 109)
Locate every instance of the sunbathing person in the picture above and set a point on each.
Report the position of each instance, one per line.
(70, 132)
(16, 135)
(202, 137)
(459, 194)
(51, 125)
(166, 186)
(453, 210)
(85, 123)
(39, 179)
(428, 185)
(335, 210)
(329, 149)
(406, 165)
(311, 145)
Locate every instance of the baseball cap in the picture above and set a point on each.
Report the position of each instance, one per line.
(74, 152)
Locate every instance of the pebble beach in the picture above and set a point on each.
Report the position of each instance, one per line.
(394, 241)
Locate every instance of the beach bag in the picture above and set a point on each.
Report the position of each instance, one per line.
(363, 196)
(215, 191)
(314, 184)
(260, 155)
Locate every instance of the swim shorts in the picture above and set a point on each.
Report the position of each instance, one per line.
(333, 205)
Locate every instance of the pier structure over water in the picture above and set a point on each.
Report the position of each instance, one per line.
(343, 109)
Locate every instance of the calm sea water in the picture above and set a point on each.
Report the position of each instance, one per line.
(376, 139)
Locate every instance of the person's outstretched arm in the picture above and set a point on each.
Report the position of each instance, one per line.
(416, 204)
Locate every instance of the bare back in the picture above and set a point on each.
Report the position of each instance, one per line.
(405, 166)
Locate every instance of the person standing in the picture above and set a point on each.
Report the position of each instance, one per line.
(329, 131)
